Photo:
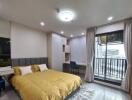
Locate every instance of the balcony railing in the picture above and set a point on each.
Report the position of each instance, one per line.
(110, 68)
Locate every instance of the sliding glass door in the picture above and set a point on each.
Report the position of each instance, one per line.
(110, 63)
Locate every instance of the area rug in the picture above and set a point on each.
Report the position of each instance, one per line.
(84, 93)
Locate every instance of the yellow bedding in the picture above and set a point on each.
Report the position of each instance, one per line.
(47, 85)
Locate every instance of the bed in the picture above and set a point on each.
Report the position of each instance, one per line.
(46, 85)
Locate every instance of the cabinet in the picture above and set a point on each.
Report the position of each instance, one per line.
(56, 55)
(66, 51)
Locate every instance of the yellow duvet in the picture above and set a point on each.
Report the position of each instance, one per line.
(47, 85)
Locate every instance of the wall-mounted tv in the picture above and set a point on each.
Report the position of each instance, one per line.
(4, 52)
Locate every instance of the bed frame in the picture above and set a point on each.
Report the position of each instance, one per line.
(25, 62)
(30, 61)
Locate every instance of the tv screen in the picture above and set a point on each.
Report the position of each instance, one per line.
(4, 52)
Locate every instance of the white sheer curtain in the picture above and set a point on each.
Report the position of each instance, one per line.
(128, 51)
(90, 45)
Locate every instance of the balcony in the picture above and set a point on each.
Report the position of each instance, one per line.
(110, 69)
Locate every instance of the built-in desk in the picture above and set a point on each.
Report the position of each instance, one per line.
(82, 67)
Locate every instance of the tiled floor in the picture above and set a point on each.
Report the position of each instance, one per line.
(9, 94)
(100, 93)
(107, 93)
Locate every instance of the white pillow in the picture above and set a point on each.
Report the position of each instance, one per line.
(43, 67)
(25, 70)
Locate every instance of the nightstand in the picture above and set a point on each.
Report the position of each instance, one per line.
(4, 73)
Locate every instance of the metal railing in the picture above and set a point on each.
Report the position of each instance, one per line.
(110, 68)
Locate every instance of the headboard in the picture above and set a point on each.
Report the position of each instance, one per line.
(28, 61)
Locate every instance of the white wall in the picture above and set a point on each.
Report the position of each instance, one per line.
(78, 49)
(27, 42)
(5, 28)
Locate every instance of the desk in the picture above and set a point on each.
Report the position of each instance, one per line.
(82, 67)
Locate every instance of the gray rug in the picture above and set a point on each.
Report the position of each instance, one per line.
(84, 93)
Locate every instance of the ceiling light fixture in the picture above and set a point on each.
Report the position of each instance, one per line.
(42, 23)
(66, 15)
(62, 32)
(110, 18)
(71, 35)
(82, 33)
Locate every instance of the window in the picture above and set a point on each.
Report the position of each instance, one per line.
(110, 61)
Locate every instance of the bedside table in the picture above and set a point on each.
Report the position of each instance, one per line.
(4, 73)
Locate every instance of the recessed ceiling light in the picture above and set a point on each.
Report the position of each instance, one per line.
(71, 35)
(110, 18)
(42, 23)
(66, 15)
(82, 33)
(62, 32)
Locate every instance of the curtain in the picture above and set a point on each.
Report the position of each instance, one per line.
(128, 51)
(90, 45)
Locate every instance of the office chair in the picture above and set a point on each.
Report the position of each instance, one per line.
(74, 67)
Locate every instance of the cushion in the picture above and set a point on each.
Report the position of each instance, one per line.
(35, 68)
(25, 70)
(43, 67)
(17, 70)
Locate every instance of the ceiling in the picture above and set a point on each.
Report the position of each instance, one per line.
(88, 13)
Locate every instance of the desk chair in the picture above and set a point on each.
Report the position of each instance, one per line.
(74, 67)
